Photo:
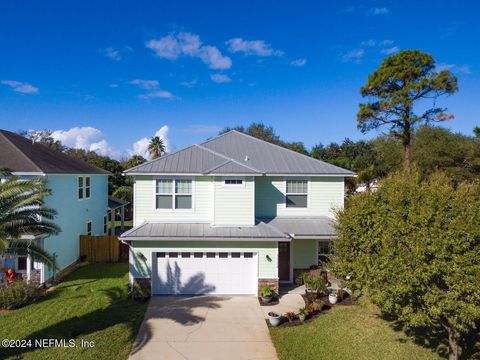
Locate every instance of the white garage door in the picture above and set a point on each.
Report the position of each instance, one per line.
(195, 273)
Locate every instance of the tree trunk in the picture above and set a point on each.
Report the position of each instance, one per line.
(407, 153)
(454, 338)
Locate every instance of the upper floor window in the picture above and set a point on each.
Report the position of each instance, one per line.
(173, 194)
(83, 186)
(80, 187)
(233, 182)
(296, 193)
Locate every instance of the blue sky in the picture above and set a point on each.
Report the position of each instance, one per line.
(117, 72)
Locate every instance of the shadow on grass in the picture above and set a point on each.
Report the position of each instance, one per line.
(435, 338)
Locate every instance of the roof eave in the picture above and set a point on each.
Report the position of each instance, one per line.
(172, 238)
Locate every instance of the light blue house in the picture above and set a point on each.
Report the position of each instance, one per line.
(79, 194)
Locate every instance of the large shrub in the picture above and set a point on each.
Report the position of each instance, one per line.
(414, 248)
(18, 294)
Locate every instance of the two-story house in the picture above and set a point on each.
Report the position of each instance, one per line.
(229, 216)
(79, 195)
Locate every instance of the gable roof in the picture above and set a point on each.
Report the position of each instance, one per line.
(20, 155)
(238, 153)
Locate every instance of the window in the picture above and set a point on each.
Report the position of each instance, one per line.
(210, 254)
(22, 263)
(223, 255)
(160, 254)
(173, 194)
(89, 228)
(198, 255)
(248, 255)
(235, 255)
(173, 255)
(80, 187)
(324, 252)
(185, 254)
(237, 182)
(105, 224)
(296, 193)
(87, 187)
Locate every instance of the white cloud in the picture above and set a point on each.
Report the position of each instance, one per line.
(175, 45)
(112, 53)
(462, 69)
(354, 55)
(140, 147)
(153, 87)
(220, 78)
(373, 42)
(390, 51)
(20, 87)
(189, 84)
(86, 138)
(113, 85)
(157, 94)
(145, 84)
(299, 62)
(379, 11)
(252, 47)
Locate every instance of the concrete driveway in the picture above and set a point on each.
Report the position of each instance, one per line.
(203, 327)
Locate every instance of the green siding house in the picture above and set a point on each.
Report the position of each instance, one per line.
(79, 194)
(229, 216)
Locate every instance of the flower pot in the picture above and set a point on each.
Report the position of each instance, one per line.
(301, 317)
(266, 299)
(332, 299)
(274, 318)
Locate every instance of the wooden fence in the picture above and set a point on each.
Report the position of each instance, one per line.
(99, 248)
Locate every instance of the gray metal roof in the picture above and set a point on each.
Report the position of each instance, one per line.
(115, 203)
(257, 156)
(304, 227)
(20, 155)
(203, 231)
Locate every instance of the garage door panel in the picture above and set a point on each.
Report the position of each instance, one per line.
(205, 275)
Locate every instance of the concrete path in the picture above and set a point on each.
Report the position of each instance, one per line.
(286, 303)
(203, 327)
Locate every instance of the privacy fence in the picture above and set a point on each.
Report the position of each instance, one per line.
(100, 248)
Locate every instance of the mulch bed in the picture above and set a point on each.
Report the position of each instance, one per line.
(326, 306)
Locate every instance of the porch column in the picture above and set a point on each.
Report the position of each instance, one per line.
(29, 267)
(112, 222)
(122, 215)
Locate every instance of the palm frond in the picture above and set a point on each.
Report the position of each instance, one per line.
(25, 248)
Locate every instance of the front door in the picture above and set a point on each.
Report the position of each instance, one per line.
(284, 261)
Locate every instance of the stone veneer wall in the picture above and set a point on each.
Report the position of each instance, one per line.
(271, 283)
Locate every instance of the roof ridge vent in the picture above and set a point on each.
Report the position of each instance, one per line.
(246, 158)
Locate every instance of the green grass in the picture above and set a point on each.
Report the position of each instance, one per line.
(91, 304)
(347, 332)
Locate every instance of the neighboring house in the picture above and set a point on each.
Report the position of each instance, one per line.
(79, 194)
(229, 216)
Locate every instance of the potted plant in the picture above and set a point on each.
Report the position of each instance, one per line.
(333, 297)
(266, 295)
(275, 318)
(302, 314)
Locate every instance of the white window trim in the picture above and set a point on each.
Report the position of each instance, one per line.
(308, 179)
(154, 203)
(85, 187)
(78, 188)
(91, 227)
(242, 178)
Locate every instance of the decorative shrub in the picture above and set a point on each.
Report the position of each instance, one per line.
(19, 294)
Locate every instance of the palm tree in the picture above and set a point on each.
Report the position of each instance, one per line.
(22, 212)
(156, 147)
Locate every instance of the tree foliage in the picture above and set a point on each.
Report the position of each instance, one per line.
(22, 212)
(156, 147)
(413, 247)
(402, 81)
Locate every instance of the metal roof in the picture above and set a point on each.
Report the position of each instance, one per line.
(246, 155)
(304, 227)
(20, 155)
(115, 203)
(203, 231)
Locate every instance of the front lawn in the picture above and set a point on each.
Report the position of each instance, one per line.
(92, 304)
(346, 332)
